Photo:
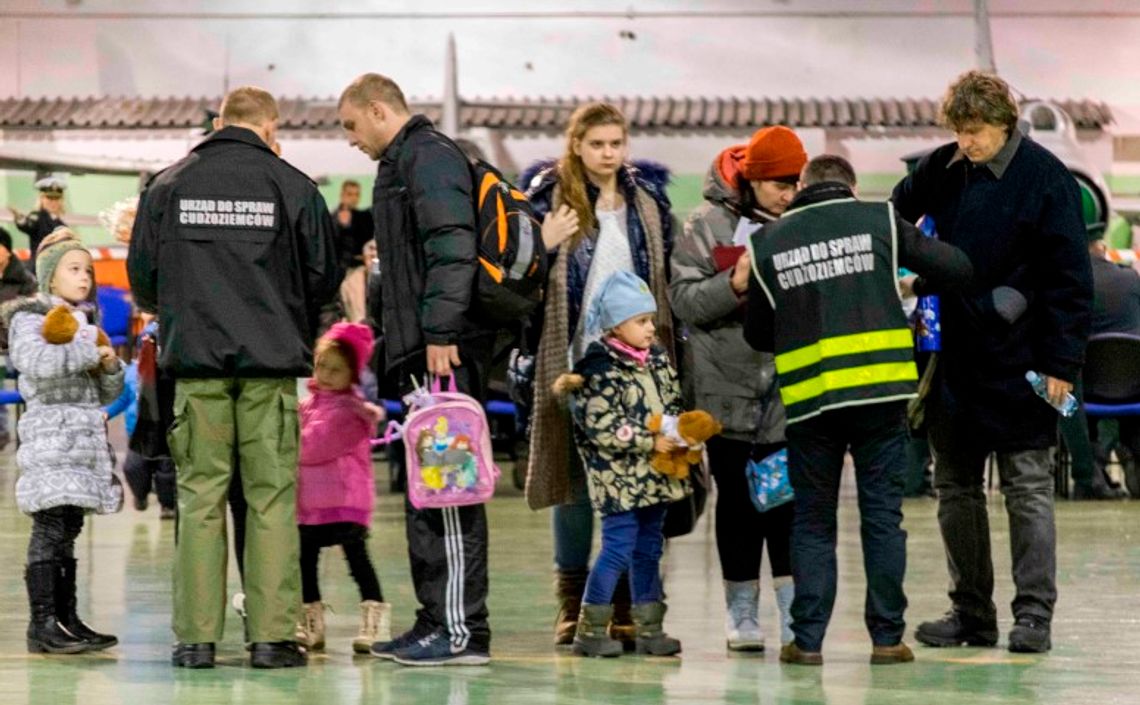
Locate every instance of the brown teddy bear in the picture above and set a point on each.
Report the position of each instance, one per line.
(60, 328)
(694, 428)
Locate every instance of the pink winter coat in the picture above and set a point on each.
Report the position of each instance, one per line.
(335, 482)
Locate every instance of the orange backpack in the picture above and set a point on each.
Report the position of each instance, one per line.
(512, 258)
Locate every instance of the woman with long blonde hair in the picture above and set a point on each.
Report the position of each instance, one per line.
(601, 214)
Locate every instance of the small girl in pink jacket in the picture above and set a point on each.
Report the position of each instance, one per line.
(335, 487)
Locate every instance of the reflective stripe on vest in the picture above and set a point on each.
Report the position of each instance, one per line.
(844, 345)
(848, 378)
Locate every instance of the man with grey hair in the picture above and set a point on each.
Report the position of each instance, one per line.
(1016, 211)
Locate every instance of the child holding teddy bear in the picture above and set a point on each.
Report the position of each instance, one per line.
(68, 372)
(626, 404)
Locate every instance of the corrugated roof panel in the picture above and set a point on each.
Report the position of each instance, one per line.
(520, 114)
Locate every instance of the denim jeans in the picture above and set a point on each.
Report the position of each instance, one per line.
(1027, 484)
(876, 436)
(630, 541)
(573, 525)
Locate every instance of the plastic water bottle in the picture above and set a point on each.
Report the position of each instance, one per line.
(1066, 409)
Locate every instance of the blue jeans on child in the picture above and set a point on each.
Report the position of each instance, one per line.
(630, 541)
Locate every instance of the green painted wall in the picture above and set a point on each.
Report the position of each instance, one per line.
(86, 195)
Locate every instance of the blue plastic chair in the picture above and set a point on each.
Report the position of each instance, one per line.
(1112, 375)
(1111, 378)
(115, 307)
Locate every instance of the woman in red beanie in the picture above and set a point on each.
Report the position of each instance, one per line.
(747, 186)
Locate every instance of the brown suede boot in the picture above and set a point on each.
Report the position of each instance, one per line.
(791, 653)
(899, 653)
(621, 626)
(568, 588)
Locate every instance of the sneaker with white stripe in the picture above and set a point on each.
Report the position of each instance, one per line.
(436, 649)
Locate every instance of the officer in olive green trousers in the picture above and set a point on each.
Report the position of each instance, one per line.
(233, 249)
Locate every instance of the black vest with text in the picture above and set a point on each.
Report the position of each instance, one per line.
(829, 270)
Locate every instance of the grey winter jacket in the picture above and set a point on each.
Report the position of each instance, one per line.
(730, 380)
(64, 458)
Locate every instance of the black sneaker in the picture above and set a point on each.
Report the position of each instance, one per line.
(193, 656)
(436, 649)
(388, 649)
(277, 654)
(956, 629)
(1030, 635)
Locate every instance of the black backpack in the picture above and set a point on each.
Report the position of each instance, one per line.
(512, 259)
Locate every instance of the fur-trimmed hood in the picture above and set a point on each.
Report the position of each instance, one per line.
(40, 303)
(651, 176)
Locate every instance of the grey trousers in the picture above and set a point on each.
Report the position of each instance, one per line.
(1027, 485)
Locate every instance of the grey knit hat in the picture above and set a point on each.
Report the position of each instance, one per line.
(51, 251)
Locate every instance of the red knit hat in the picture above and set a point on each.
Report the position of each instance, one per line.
(774, 153)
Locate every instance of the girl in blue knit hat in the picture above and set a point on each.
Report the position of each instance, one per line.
(622, 383)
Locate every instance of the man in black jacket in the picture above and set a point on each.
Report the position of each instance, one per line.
(233, 249)
(424, 214)
(1016, 211)
(824, 297)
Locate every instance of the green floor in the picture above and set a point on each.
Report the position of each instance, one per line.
(125, 587)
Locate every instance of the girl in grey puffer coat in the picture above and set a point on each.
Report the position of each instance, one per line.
(63, 456)
(68, 372)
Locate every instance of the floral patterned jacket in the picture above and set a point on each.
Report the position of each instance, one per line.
(611, 423)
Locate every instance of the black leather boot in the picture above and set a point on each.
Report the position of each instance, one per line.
(45, 634)
(193, 655)
(65, 608)
(277, 654)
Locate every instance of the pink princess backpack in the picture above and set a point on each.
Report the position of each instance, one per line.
(447, 448)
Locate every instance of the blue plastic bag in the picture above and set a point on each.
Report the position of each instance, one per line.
(768, 482)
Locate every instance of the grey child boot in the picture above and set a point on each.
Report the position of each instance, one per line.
(591, 638)
(651, 637)
(742, 615)
(785, 593)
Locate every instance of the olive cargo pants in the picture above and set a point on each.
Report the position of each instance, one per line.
(259, 418)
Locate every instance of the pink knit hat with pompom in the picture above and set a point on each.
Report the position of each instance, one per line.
(357, 338)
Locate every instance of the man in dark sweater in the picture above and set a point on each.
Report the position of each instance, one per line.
(1116, 309)
(1116, 304)
(1016, 211)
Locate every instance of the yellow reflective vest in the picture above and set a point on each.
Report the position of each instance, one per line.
(829, 271)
